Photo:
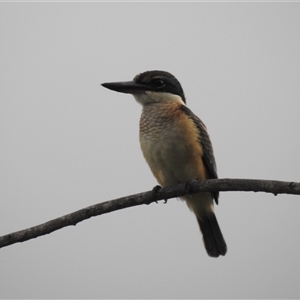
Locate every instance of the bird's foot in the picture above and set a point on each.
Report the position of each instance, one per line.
(188, 186)
(155, 192)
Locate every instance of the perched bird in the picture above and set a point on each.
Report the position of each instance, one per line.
(176, 146)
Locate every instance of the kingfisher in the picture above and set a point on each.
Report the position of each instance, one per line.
(176, 146)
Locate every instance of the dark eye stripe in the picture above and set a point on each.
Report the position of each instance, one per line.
(153, 79)
(159, 83)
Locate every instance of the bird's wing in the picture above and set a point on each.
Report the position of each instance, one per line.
(208, 153)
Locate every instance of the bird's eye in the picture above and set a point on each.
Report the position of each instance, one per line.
(159, 83)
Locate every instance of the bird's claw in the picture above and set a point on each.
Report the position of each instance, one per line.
(188, 186)
(155, 191)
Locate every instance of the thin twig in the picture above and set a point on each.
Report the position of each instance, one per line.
(246, 185)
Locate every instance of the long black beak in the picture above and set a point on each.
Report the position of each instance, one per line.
(128, 87)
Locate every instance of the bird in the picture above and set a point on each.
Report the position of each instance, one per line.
(176, 145)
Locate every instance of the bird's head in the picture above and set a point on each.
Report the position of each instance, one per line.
(151, 87)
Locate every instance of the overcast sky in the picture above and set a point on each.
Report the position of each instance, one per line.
(66, 143)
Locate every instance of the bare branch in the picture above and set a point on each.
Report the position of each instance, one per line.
(246, 185)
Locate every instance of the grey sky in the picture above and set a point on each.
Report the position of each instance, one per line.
(66, 143)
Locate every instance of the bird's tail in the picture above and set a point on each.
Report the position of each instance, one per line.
(214, 242)
(202, 206)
